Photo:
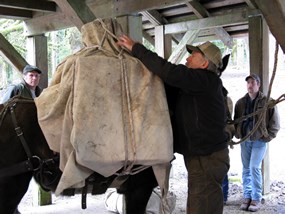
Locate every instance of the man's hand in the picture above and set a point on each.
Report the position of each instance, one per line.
(126, 42)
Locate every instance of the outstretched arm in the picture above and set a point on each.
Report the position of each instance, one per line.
(126, 42)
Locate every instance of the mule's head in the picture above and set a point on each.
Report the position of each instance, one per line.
(44, 160)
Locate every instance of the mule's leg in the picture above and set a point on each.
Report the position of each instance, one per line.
(137, 190)
(12, 191)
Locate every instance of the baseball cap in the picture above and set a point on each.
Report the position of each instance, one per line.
(211, 51)
(253, 76)
(29, 68)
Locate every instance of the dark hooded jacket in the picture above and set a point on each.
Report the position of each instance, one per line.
(199, 113)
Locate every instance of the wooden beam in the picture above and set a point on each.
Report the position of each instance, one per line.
(259, 58)
(224, 37)
(82, 10)
(180, 50)
(111, 8)
(11, 54)
(40, 24)
(11, 13)
(198, 9)
(211, 22)
(155, 18)
(201, 12)
(76, 11)
(274, 14)
(30, 5)
(251, 4)
(37, 54)
(162, 42)
(131, 26)
(148, 38)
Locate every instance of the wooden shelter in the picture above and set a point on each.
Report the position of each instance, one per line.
(159, 21)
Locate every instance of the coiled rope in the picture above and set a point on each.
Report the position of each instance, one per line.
(270, 103)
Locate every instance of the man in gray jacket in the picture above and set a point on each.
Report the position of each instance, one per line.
(28, 87)
(253, 149)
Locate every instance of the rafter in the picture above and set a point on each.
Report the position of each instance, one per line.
(10, 54)
(155, 18)
(201, 12)
(30, 4)
(273, 12)
(77, 11)
(211, 22)
(12, 13)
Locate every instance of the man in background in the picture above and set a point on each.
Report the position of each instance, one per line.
(253, 149)
(28, 87)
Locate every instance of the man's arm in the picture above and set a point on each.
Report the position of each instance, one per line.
(273, 125)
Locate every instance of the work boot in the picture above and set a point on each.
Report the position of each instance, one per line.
(254, 206)
(245, 204)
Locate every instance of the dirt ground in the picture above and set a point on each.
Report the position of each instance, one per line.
(274, 202)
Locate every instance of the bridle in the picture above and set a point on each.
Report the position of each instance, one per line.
(33, 162)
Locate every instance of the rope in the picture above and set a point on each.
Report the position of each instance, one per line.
(128, 165)
(262, 112)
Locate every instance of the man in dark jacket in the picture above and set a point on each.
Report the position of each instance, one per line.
(28, 87)
(199, 121)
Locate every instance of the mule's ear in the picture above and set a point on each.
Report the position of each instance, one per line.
(225, 62)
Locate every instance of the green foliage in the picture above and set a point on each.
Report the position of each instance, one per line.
(13, 31)
(61, 44)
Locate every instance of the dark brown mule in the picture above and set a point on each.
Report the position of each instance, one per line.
(23, 152)
(17, 165)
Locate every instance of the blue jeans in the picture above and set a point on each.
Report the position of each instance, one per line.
(226, 188)
(252, 154)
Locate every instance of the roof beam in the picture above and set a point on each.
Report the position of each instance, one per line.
(180, 50)
(197, 9)
(29, 4)
(15, 13)
(201, 12)
(275, 10)
(76, 11)
(156, 19)
(211, 22)
(251, 4)
(42, 24)
(111, 8)
(11, 54)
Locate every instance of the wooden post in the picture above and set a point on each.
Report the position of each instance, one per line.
(162, 42)
(131, 26)
(259, 64)
(37, 55)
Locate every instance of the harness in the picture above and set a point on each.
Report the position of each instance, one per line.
(33, 162)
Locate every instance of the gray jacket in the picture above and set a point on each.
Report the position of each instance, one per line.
(269, 126)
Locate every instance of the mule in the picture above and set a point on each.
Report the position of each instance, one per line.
(22, 144)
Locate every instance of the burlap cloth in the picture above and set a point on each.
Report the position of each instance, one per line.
(104, 111)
